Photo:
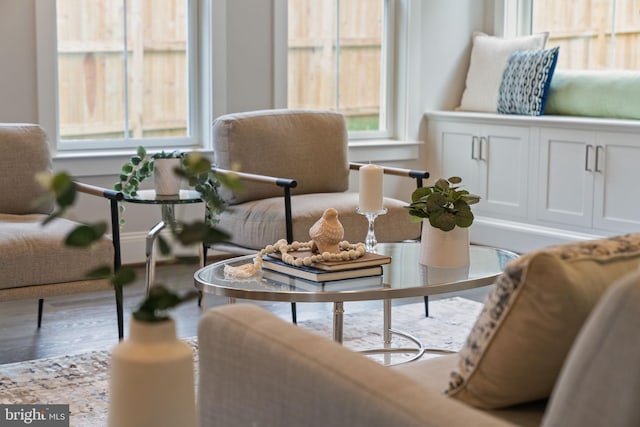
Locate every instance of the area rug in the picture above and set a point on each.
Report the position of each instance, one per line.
(82, 380)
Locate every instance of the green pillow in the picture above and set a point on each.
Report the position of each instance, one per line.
(614, 94)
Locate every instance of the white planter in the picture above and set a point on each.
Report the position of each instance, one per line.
(444, 248)
(152, 383)
(167, 183)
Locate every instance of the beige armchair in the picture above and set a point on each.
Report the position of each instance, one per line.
(34, 262)
(294, 164)
(558, 360)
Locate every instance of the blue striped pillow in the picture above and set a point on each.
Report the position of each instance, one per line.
(525, 81)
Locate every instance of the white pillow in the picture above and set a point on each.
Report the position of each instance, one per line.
(489, 57)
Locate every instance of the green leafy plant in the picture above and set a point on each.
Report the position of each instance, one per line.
(197, 170)
(445, 204)
(139, 168)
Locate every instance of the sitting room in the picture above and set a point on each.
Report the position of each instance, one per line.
(319, 212)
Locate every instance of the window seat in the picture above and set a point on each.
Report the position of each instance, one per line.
(581, 122)
(542, 180)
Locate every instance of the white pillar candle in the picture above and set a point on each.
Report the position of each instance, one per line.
(370, 199)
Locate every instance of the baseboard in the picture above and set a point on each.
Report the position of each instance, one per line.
(521, 237)
(133, 247)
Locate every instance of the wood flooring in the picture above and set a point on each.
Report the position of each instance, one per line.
(85, 322)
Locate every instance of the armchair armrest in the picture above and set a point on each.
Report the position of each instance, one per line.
(256, 369)
(281, 182)
(114, 197)
(418, 175)
(286, 183)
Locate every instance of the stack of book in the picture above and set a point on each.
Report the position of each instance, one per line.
(370, 264)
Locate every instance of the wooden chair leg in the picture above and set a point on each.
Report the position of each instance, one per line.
(426, 306)
(40, 307)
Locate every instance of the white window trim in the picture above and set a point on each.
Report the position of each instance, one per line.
(209, 42)
(512, 18)
(403, 104)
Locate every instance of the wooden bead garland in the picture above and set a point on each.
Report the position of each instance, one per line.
(348, 251)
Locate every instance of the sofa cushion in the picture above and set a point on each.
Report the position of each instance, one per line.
(489, 57)
(277, 143)
(608, 350)
(516, 348)
(33, 254)
(259, 223)
(525, 82)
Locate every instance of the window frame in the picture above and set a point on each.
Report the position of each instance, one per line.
(200, 13)
(398, 25)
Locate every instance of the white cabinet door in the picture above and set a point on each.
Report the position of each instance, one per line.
(459, 146)
(492, 162)
(505, 159)
(565, 180)
(617, 180)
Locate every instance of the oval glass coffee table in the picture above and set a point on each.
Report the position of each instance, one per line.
(404, 277)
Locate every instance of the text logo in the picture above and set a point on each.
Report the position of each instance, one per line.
(34, 415)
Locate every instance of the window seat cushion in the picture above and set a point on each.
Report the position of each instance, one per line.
(608, 94)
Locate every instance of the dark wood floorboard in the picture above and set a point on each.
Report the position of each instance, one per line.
(85, 322)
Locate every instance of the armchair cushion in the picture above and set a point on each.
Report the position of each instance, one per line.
(278, 143)
(33, 254)
(25, 152)
(259, 223)
(519, 342)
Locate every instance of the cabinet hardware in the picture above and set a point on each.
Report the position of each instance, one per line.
(483, 139)
(597, 167)
(588, 148)
(474, 139)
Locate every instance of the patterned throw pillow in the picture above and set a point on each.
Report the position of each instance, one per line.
(525, 82)
(530, 319)
(489, 56)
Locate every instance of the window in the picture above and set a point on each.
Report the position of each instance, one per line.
(339, 59)
(125, 74)
(592, 34)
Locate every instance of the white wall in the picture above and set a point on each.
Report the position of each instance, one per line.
(440, 55)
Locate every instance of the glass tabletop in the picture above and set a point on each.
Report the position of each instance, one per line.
(150, 197)
(403, 277)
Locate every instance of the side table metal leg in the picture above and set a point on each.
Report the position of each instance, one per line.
(151, 262)
(387, 329)
(386, 333)
(338, 316)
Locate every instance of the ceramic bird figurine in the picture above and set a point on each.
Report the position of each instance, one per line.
(327, 233)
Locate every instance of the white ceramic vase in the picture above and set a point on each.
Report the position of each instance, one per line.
(167, 183)
(152, 382)
(439, 248)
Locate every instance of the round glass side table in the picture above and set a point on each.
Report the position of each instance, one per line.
(167, 205)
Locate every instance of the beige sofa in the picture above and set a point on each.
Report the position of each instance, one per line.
(539, 354)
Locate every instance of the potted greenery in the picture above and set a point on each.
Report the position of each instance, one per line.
(142, 166)
(189, 166)
(445, 211)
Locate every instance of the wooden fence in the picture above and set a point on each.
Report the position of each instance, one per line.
(583, 30)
